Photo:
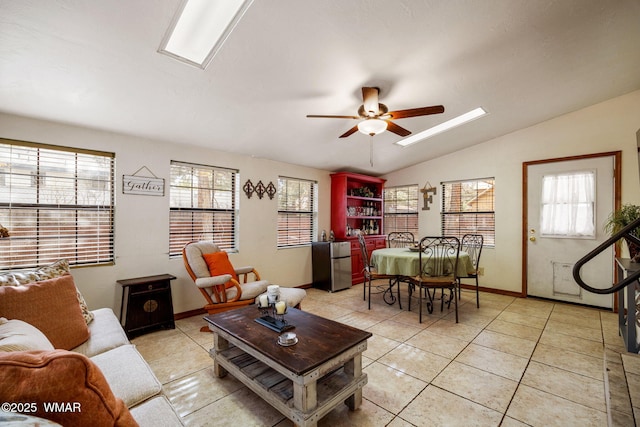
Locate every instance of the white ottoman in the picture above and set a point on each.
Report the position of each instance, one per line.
(293, 296)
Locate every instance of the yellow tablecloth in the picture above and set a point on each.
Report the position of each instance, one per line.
(404, 262)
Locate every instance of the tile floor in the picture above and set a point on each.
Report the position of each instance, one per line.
(513, 362)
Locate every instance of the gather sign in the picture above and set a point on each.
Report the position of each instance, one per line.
(142, 185)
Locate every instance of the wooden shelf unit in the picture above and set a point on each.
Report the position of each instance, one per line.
(356, 202)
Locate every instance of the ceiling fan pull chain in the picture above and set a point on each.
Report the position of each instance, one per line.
(371, 150)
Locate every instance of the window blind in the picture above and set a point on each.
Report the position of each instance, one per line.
(401, 209)
(203, 206)
(297, 212)
(56, 202)
(469, 207)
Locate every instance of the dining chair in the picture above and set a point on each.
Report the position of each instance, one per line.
(438, 260)
(472, 245)
(400, 239)
(371, 274)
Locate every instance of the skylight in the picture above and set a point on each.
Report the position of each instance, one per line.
(443, 127)
(199, 29)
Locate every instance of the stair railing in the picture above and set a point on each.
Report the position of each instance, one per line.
(631, 278)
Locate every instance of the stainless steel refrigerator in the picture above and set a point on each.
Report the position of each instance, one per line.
(331, 263)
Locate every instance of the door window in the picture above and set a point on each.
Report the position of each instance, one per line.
(568, 205)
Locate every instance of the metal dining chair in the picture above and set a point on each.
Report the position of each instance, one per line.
(438, 270)
(371, 274)
(400, 239)
(472, 244)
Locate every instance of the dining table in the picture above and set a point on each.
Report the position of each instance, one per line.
(405, 262)
(404, 265)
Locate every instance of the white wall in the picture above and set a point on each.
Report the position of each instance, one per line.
(608, 126)
(142, 222)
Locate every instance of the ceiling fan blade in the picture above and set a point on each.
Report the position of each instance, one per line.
(414, 112)
(349, 132)
(370, 101)
(398, 130)
(316, 116)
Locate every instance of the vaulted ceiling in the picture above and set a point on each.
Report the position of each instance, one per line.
(95, 64)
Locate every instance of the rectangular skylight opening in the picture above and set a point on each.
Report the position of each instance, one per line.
(199, 29)
(443, 127)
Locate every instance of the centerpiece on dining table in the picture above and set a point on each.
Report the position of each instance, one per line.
(273, 310)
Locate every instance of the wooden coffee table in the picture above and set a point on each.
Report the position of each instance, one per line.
(304, 381)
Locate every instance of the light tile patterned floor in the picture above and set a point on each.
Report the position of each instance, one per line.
(513, 362)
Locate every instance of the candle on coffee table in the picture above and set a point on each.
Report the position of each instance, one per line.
(264, 301)
(281, 307)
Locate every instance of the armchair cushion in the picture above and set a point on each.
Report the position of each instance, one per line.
(219, 264)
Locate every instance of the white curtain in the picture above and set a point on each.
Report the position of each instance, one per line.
(568, 205)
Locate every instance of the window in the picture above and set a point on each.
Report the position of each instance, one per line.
(203, 206)
(568, 205)
(69, 215)
(401, 209)
(297, 212)
(468, 207)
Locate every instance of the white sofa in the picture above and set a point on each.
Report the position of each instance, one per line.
(38, 299)
(126, 371)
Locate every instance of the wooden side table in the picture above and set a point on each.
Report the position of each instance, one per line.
(146, 304)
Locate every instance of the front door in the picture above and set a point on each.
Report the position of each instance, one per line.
(567, 203)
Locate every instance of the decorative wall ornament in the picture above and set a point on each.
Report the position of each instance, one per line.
(426, 197)
(271, 190)
(260, 189)
(143, 185)
(248, 188)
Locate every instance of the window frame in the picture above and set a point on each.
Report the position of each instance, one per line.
(64, 225)
(390, 217)
(311, 212)
(487, 231)
(177, 238)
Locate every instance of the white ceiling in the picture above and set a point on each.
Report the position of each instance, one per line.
(95, 63)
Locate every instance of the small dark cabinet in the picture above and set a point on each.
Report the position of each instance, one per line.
(146, 304)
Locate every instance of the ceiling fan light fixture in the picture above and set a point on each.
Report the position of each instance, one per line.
(443, 127)
(372, 126)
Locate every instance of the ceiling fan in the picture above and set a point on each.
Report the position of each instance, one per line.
(376, 117)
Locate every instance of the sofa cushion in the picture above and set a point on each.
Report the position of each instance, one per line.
(16, 335)
(64, 377)
(106, 333)
(156, 412)
(128, 374)
(56, 269)
(51, 306)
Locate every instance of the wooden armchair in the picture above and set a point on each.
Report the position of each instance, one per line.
(221, 292)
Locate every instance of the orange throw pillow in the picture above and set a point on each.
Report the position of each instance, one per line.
(51, 306)
(70, 380)
(219, 264)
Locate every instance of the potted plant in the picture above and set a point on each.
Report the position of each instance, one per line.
(621, 218)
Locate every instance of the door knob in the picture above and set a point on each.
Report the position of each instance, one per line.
(532, 238)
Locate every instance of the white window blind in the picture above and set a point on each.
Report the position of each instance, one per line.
(568, 205)
(468, 207)
(401, 209)
(297, 212)
(203, 206)
(56, 202)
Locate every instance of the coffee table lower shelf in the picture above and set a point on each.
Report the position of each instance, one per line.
(278, 390)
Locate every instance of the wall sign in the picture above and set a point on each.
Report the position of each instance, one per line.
(142, 185)
(426, 197)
